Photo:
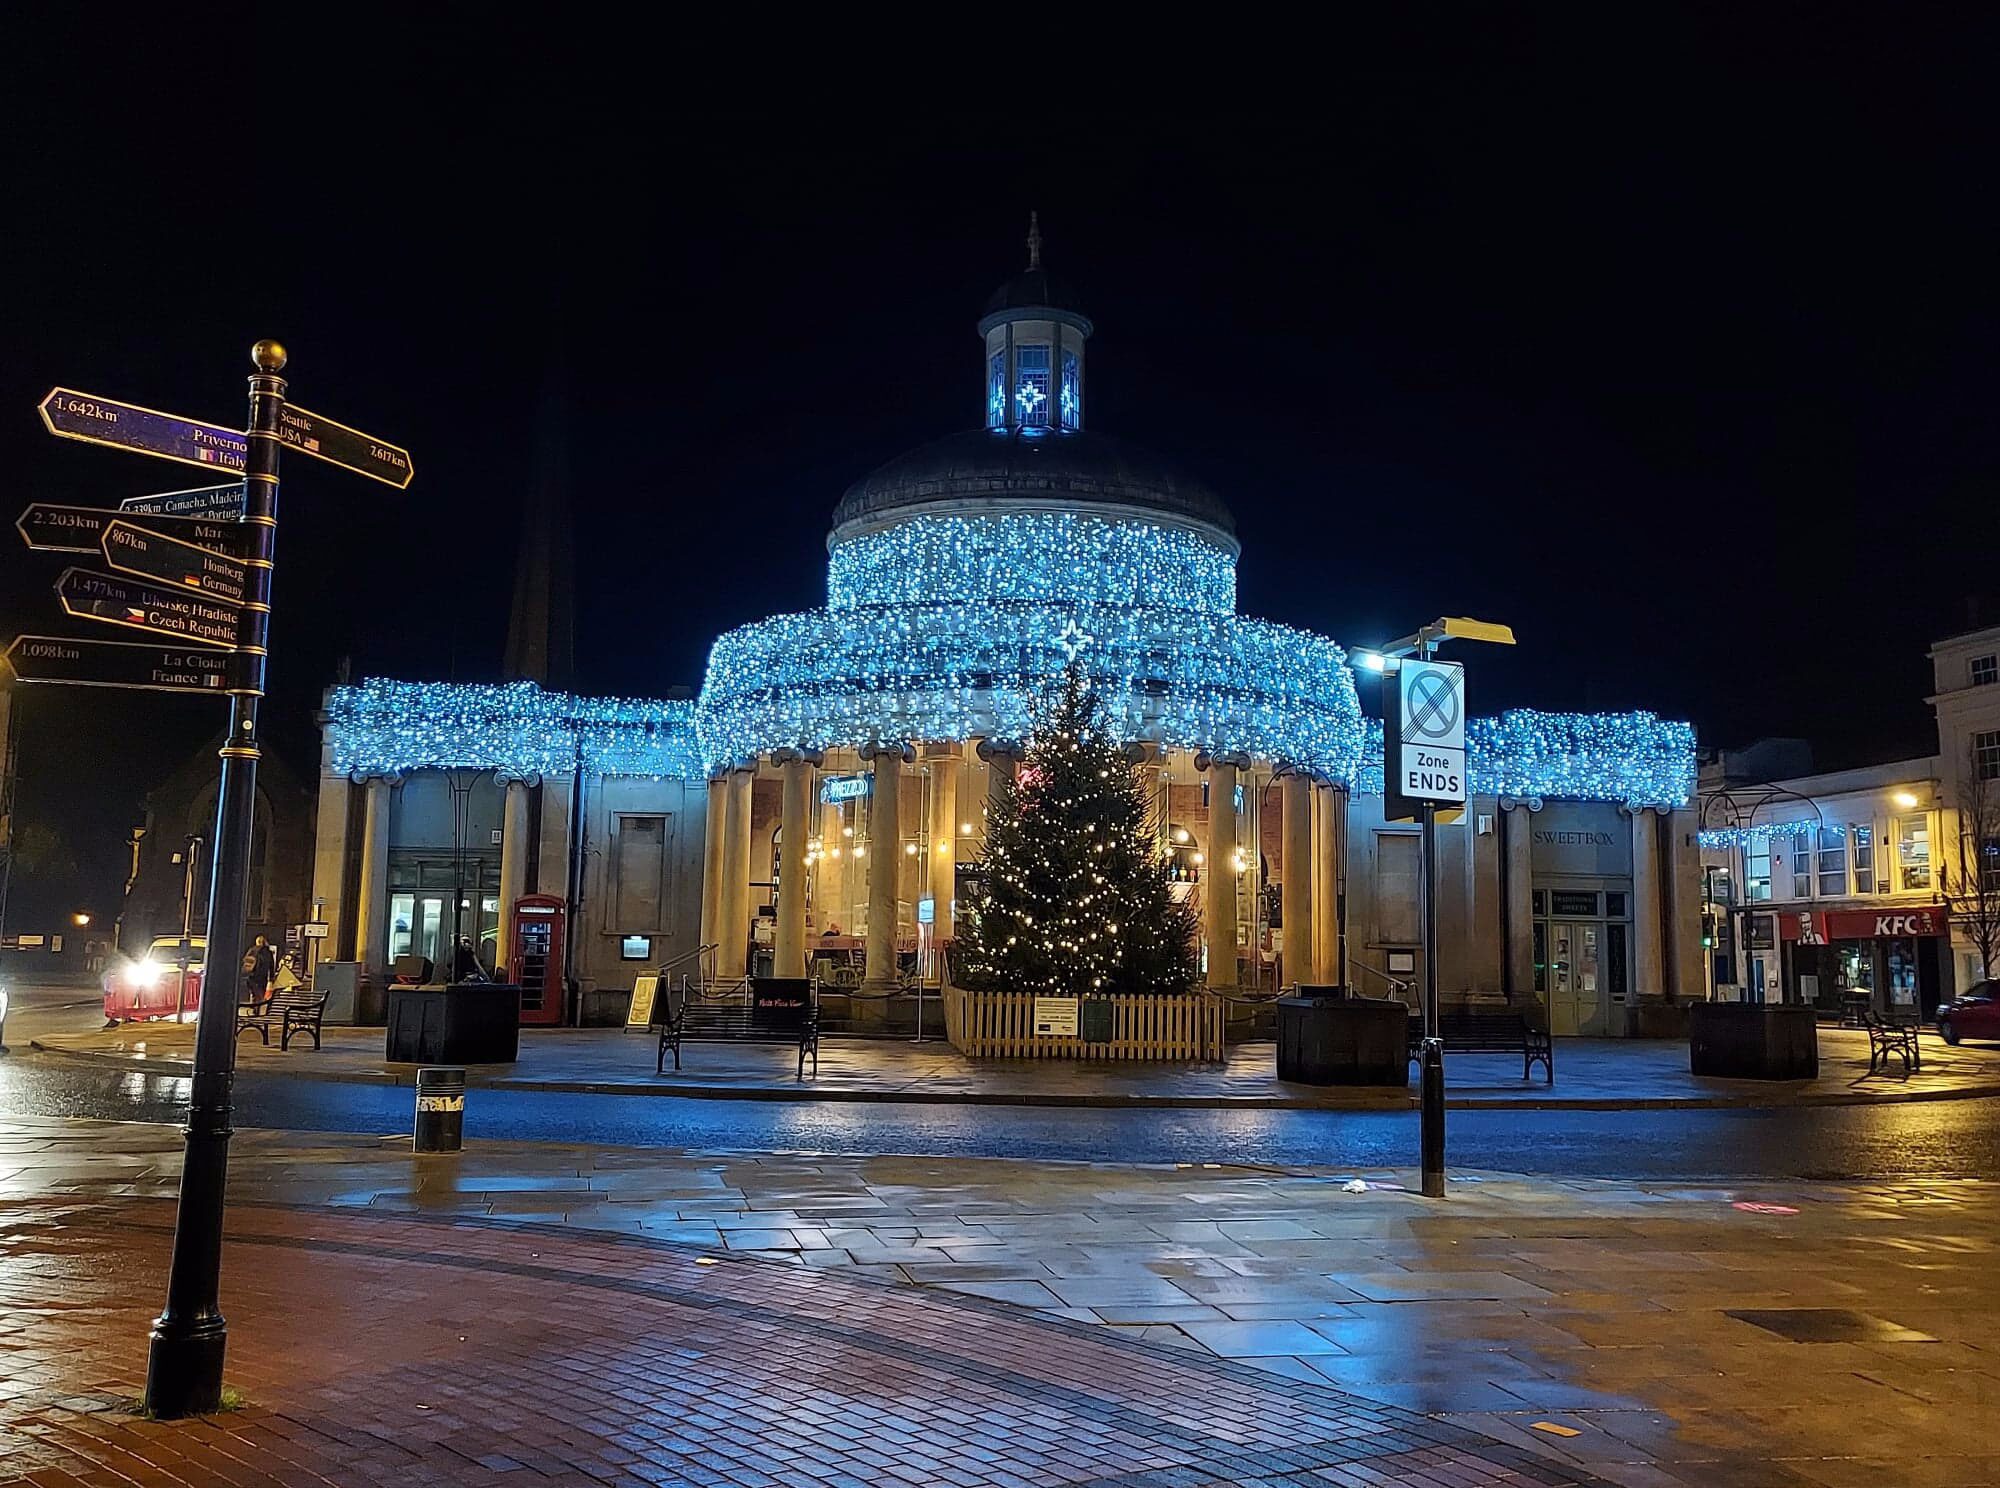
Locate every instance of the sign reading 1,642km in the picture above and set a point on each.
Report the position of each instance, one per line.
(364, 454)
(73, 415)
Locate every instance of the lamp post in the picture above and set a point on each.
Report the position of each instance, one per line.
(1421, 647)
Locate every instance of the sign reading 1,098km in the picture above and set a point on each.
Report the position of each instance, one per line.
(118, 664)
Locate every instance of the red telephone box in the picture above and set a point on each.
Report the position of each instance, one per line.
(537, 961)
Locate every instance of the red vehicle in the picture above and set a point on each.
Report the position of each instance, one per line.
(1973, 1014)
(137, 991)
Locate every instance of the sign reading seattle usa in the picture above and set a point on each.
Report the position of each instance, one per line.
(330, 440)
(73, 415)
(1423, 738)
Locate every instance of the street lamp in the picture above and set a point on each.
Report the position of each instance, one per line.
(1421, 646)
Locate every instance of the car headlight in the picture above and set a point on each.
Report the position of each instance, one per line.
(145, 974)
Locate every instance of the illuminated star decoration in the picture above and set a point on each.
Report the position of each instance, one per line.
(1030, 399)
(1072, 639)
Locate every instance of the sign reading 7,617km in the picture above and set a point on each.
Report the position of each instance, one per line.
(364, 454)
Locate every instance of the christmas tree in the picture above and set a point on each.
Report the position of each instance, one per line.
(1076, 899)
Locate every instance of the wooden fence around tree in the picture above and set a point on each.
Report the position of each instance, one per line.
(1001, 1025)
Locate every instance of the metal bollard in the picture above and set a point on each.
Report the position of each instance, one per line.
(440, 1110)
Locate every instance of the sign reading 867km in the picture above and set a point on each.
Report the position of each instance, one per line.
(1430, 741)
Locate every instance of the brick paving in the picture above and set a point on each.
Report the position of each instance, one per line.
(373, 1349)
(1622, 1073)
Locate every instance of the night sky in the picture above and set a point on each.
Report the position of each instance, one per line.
(1673, 347)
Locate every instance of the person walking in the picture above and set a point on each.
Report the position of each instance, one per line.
(258, 965)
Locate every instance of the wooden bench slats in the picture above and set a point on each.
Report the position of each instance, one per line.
(295, 1010)
(687, 1015)
(1491, 1033)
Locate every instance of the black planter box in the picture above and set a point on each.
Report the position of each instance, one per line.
(1753, 1041)
(463, 1023)
(1343, 1041)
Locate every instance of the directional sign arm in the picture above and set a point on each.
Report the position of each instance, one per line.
(330, 440)
(68, 414)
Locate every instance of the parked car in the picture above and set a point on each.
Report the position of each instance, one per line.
(150, 987)
(1974, 1014)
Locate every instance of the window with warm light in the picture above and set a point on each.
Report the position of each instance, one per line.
(1757, 869)
(1863, 839)
(1913, 850)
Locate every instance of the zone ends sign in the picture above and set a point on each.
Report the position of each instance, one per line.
(1423, 738)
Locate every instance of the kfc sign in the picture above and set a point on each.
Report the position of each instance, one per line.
(1817, 927)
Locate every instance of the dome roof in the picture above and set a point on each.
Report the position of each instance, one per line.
(1042, 467)
(1034, 289)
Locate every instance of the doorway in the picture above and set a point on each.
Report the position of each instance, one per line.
(1579, 991)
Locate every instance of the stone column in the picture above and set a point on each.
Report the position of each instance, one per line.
(943, 845)
(1296, 876)
(795, 769)
(1003, 762)
(1329, 829)
(714, 834)
(1219, 899)
(885, 864)
(1519, 816)
(732, 925)
(513, 861)
(1649, 978)
(329, 862)
(371, 939)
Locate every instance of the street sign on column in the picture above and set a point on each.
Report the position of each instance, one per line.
(133, 549)
(51, 527)
(1423, 738)
(137, 606)
(216, 503)
(73, 415)
(316, 434)
(119, 664)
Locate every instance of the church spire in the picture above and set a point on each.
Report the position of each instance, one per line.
(1034, 241)
(541, 629)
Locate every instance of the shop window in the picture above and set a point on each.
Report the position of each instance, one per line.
(1802, 866)
(1863, 839)
(1913, 850)
(1757, 871)
(639, 871)
(1986, 754)
(1832, 863)
(1985, 670)
(1615, 907)
(1031, 385)
(1396, 888)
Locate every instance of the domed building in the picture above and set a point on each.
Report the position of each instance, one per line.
(828, 788)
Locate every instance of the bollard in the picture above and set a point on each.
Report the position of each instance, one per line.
(440, 1110)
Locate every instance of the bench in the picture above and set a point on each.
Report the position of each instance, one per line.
(297, 1010)
(1496, 1032)
(1886, 1038)
(759, 1010)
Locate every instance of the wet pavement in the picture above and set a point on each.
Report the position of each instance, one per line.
(1769, 1334)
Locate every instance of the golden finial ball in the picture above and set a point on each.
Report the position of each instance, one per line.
(268, 356)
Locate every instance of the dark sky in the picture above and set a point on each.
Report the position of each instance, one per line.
(1669, 342)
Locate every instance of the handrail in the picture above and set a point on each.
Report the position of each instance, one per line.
(1400, 985)
(666, 966)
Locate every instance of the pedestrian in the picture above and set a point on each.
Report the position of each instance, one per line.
(258, 965)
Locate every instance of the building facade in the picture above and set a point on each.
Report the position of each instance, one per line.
(821, 806)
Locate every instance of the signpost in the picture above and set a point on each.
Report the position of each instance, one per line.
(118, 664)
(216, 503)
(215, 547)
(1423, 768)
(73, 415)
(116, 601)
(133, 549)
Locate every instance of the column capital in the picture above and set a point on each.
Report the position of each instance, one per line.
(1238, 759)
(529, 778)
(878, 748)
(1141, 752)
(1526, 803)
(373, 777)
(992, 749)
(1635, 812)
(742, 766)
(797, 755)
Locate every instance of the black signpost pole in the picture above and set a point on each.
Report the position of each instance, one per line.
(184, 1365)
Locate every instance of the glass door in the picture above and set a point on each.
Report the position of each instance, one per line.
(419, 925)
(1578, 986)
